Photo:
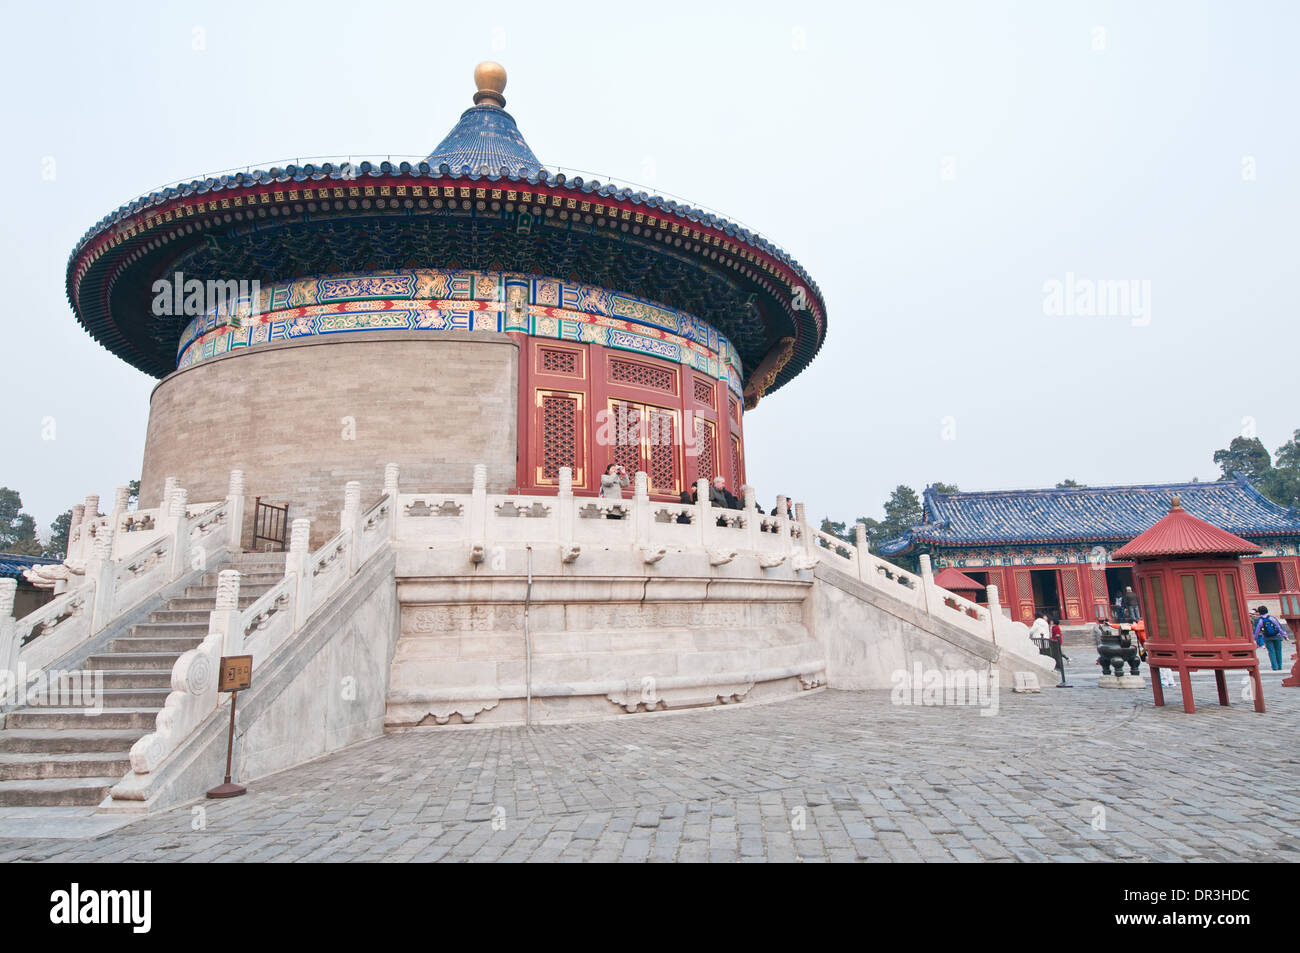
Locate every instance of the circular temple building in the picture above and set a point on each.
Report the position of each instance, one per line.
(470, 308)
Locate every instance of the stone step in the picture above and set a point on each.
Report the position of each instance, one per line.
(163, 645)
(179, 616)
(130, 679)
(68, 740)
(81, 719)
(256, 578)
(136, 661)
(210, 592)
(196, 627)
(111, 698)
(192, 604)
(258, 555)
(35, 767)
(261, 567)
(55, 792)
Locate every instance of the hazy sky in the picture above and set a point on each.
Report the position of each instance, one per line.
(933, 165)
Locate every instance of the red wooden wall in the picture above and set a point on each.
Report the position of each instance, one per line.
(573, 398)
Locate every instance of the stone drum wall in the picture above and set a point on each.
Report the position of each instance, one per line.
(301, 418)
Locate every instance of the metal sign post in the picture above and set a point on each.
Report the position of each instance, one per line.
(236, 675)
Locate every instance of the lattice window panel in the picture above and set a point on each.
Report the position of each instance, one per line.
(642, 375)
(704, 391)
(554, 360)
(1099, 584)
(1248, 570)
(737, 471)
(1070, 589)
(1289, 575)
(662, 472)
(735, 408)
(627, 436)
(561, 435)
(706, 468)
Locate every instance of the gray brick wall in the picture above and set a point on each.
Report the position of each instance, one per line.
(302, 418)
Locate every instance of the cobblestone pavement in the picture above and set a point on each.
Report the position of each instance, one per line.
(1073, 775)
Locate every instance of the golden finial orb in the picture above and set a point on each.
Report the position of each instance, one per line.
(491, 81)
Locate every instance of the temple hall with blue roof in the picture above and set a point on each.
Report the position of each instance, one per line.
(1050, 549)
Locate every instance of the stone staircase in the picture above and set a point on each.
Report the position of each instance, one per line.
(66, 756)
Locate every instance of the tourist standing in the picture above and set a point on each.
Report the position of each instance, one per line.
(1040, 631)
(1130, 603)
(1057, 641)
(1269, 632)
(721, 498)
(612, 484)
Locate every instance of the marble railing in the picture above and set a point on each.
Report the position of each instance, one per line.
(108, 573)
(271, 622)
(478, 521)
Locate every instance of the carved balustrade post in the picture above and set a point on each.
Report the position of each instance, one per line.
(800, 517)
(298, 564)
(121, 496)
(642, 517)
(860, 549)
(927, 580)
(176, 525)
(89, 513)
(995, 611)
(781, 525)
(704, 511)
(753, 520)
(102, 571)
(478, 508)
(391, 474)
(565, 511)
(235, 506)
(351, 521)
(223, 621)
(8, 634)
(74, 533)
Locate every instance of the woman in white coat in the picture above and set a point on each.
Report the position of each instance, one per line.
(612, 484)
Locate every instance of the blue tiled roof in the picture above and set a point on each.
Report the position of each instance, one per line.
(1109, 514)
(486, 141)
(12, 564)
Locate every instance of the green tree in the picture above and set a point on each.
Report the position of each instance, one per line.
(903, 509)
(1245, 456)
(17, 529)
(946, 488)
(1283, 483)
(57, 547)
(835, 529)
(134, 495)
(1287, 456)
(1070, 485)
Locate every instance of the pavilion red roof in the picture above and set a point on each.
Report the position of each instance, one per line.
(1182, 534)
(954, 580)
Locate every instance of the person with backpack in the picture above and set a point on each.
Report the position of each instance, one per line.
(1270, 633)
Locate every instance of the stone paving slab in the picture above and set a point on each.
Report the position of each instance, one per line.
(1085, 774)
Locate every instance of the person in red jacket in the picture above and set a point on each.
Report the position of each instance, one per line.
(1058, 645)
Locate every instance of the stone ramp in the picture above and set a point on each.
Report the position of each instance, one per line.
(71, 744)
(869, 636)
